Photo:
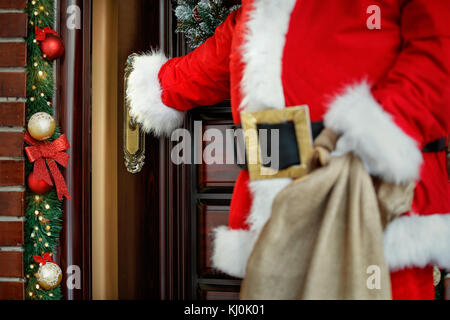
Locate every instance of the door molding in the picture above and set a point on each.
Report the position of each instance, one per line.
(73, 111)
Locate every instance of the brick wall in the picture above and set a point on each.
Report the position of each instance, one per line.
(13, 29)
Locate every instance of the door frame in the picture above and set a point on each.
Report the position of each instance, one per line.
(73, 111)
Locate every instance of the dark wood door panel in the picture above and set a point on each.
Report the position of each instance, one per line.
(215, 174)
(209, 218)
(210, 292)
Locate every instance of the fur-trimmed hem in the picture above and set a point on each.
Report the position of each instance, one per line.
(144, 96)
(369, 132)
(264, 193)
(418, 241)
(232, 249)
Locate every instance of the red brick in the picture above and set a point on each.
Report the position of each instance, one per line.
(13, 84)
(11, 264)
(12, 291)
(13, 25)
(11, 144)
(12, 114)
(12, 204)
(13, 54)
(11, 233)
(13, 4)
(12, 173)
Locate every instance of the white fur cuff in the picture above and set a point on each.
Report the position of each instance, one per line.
(232, 249)
(369, 132)
(144, 96)
(418, 241)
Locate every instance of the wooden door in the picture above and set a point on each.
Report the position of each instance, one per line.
(167, 212)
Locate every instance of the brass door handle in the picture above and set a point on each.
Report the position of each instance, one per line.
(133, 135)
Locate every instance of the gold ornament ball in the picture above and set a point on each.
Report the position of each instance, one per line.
(41, 126)
(49, 276)
(436, 276)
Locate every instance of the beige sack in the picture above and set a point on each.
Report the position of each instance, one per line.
(325, 233)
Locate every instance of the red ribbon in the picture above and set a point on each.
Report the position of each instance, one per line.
(44, 259)
(41, 34)
(49, 152)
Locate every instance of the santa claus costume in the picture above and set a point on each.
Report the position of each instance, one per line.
(385, 91)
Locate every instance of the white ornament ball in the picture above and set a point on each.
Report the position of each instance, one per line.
(41, 126)
(49, 276)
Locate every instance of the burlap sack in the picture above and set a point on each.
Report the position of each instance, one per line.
(324, 239)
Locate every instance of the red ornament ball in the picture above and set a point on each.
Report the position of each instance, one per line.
(38, 186)
(52, 47)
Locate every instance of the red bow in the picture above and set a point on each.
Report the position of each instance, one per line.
(42, 152)
(44, 259)
(41, 34)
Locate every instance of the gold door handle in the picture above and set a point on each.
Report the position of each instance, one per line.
(134, 136)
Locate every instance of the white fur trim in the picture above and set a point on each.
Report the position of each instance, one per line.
(264, 193)
(418, 241)
(369, 131)
(144, 96)
(232, 249)
(262, 54)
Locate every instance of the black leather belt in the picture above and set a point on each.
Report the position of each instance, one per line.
(289, 148)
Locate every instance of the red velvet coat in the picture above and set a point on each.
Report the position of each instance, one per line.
(386, 91)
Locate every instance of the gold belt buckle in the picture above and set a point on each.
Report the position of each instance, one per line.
(299, 115)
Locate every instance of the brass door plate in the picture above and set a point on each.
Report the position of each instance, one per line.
(134, 136)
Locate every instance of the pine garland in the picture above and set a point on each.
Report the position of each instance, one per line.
(43, 212)
(199, 19)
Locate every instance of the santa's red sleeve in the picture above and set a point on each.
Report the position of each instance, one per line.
(160, 90)
(387, 123)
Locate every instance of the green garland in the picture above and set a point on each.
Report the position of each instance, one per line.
(198, 19)
(43, 212)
